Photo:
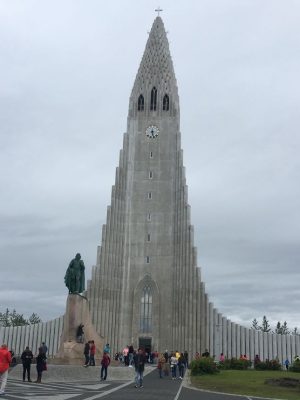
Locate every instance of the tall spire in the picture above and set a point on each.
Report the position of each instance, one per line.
(156, 68)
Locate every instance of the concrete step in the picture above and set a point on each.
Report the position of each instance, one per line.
(72, 373)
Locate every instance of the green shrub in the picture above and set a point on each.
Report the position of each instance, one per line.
(235, 363)
(295, 366)
(204, 365)
(270, 365)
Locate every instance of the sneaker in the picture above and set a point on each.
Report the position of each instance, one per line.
(141, 386)
(135, 386)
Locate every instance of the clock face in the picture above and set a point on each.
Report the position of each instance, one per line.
(152, 131)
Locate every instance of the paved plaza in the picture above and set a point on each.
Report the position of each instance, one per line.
(74, 384)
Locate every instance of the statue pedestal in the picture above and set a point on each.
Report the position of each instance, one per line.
(77, 312)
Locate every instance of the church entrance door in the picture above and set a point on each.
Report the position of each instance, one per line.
(145, 343)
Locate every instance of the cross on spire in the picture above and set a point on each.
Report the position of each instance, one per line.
(158, 10)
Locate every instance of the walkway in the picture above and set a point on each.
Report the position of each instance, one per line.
(114, 389)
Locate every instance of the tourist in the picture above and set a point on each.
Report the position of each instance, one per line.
(197, 355)
(287, 363)
(44, 347)
(206, 353)
(173, 362)
(256, 360)
(5, 360)
(104, 365)
(92, 353)
(222, 358)
(26, 358)
(86, 352)
(161, 364)
(186, 357)
(130, 355)
(125, 355)
(106, 348)
(80, 334)
(40, 364)
(139, 364)
(181, 365)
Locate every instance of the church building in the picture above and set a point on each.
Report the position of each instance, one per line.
(146, 287)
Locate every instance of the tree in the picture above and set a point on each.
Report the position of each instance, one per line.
(282, 329)
(34, 319)
(296, 331)
(255, 325)
(12, 318)
(265, 326)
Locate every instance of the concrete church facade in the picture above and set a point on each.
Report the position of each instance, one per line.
(146, 287)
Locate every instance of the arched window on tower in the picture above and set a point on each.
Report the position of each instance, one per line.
(141, 103)
(153, 100)
(166, 103)
(146, 310)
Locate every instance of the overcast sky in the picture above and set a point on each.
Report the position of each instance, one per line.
(66, 72)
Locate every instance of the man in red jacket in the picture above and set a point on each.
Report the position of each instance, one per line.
(5, 360)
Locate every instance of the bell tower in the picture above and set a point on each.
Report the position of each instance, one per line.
(145, 288)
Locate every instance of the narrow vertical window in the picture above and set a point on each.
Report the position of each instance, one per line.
(149, 237)
(150, 174)
(166, 103)
(147, 259)
(153, 100)
(141, 103)
(149, 195)
(146, 310)
(149, 217)
(151, 154)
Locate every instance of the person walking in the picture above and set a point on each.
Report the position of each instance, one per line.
(161, 365)
(173, 362)
(104, 365)
(139, 364)
(5, 360)
(181, 365)
(40, 364)
(26, 358)
(92, 353)
(86, 352)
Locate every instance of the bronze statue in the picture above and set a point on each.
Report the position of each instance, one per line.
(75, 278)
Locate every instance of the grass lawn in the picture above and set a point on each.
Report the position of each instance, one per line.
(250, 382)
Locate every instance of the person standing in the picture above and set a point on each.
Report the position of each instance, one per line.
(173, 362)
(5, 360)
(161, 365)
(86, 352)
(26, 358)
(40, 364)
(130, 354)
(104, 365)
(92, 353)
(44, 348)
(80, 333)
(139, 364)
(287, 363)
(181, 365)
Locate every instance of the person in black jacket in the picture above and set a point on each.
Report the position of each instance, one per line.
(40, 364)
(139, 363)
(26, 358)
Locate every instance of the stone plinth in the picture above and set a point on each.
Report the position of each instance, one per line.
(77, 312)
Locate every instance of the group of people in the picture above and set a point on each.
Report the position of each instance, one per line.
(174, 361)
(89, 352)
(27, 359)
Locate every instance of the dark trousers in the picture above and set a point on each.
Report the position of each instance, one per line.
(26, 368)
(92, 360)
(103, 372)
(87, 359)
